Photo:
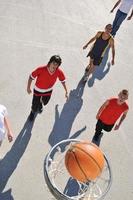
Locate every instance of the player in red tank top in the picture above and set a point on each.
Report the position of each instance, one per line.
(109, 113)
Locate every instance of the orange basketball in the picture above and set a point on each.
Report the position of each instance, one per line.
(84, 161)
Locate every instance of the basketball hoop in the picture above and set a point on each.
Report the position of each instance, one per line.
(63, 186)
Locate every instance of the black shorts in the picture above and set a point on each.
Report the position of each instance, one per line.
(96, 59)
(102, 126)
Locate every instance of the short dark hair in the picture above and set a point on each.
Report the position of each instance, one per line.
(56, 59)
(124, 92)
(108, 26)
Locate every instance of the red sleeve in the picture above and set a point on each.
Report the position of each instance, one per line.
(36, 72)
(61, 75)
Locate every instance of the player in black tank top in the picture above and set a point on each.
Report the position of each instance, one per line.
(100, 45)
(97, 52)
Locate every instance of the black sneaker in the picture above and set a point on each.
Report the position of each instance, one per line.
(31, 116)
(85, 77)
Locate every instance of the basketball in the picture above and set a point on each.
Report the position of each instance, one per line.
(84, 161)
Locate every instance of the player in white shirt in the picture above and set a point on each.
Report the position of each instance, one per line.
(4, 125)
(121, 14)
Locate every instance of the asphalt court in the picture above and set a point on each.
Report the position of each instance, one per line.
(30, 33)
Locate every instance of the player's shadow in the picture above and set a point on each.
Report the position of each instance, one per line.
(73, 187)
(6, 195)
(64, 120)
(101, 70)
(10, 161)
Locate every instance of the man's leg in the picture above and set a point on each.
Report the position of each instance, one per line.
(45, 99)
(40, 107)
(108, 128)
(98, 133)
(35, 106)
(115, 21)
(119, 18)
(89, 70)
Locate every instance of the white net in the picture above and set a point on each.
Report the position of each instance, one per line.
(63, 186)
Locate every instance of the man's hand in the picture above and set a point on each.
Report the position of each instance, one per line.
(129, 18)
(97, 117)
(29, 91)
(84, 47)
(112, 62)
(10, 136)
(112, 11)
(116, 127)
(66, 95)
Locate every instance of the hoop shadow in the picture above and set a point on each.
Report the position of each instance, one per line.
(64, 120)
(101, 70)
(10, 161)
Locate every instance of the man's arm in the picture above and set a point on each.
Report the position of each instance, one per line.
(130, 15)
(91, 40)
(65, 87)
(117, 3)
(29, 85)
(113, 51)
(121, 120)
(102, 109)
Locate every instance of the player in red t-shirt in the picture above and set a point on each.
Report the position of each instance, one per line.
(46, 77)
(109, 113)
